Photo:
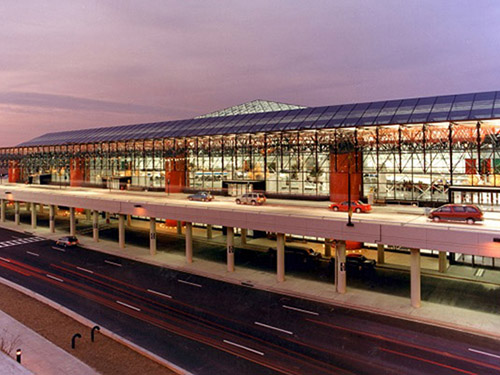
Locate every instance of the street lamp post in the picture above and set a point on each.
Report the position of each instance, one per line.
(168, 186)
(349, 206)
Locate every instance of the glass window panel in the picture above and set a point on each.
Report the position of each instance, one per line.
(461, 107)
(340, 116)
(326, 116)
(422, 110)
(441, 108)
(496, 106)
(387, 112)
(404, 111)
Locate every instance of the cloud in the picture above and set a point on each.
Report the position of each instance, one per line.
(73, 103)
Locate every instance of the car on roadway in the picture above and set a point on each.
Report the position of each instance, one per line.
(202, 196)
(356, 206)
(251, 198)
(67, 241)
(468, 213)
(298, 255)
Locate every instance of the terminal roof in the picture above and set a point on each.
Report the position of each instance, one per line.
(463, 107)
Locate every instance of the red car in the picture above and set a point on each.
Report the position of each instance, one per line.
(457, 212)
(356, 206)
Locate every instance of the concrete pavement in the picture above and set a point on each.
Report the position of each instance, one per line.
(39, 356)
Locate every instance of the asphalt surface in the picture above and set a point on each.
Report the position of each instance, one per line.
(211, 327)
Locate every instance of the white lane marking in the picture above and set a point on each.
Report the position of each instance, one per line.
(300, 310)
(31, 253)
(5, 260)
(113, 263)
(275, 328)
(189, 283)
(243, 347)
(484, 353)
(159, 293)
(129, 306)
(84, 269)
(54, 278)
(58, 249)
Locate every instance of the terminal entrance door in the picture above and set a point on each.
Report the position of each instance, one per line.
(486, 197)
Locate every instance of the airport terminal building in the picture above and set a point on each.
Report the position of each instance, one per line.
(422, 150)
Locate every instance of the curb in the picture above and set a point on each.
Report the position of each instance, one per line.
(89, 323)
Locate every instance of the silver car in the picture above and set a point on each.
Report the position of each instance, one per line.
(251, 198)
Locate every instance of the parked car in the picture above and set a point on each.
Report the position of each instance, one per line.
(357, 206)
(298, 255)
(251, 198)
(355, 262)
(468, 213)
(202, 196)
(67, 241)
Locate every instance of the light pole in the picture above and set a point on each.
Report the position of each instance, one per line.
(168, 186)
(349, 206)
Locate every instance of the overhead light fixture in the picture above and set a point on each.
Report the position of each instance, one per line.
(8, 192)
(137, 206)
(496, 239)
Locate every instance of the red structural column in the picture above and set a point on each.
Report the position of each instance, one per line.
(14, 171)
(175, 177)
(339, 176)
(76, 172)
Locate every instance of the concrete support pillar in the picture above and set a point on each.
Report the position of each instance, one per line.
(33, 215)
(2, 210)
(52, 218)
(108, 217)
(340, 268)
(87, 215)
(209, 231)
(280, 257)
(152, 236)
(17, 213)
(243, 238)
(328, 248)
(189, 242)
(129, 220)
(95, 225)
(415, 277)
(72, 221)
(121, 231)
(41, 208)
(443, 266)
(179, 227)
(380, 253)
(230, 248)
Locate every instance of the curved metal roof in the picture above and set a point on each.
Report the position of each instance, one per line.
(476, 106)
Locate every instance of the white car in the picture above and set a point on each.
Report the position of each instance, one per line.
(251, 198)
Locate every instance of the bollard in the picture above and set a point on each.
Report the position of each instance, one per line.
(75, 336)
(18, 355)
(93, 331)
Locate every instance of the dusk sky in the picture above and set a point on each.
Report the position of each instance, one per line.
(79, 64)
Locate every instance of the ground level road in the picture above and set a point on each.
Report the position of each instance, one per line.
(211, 327)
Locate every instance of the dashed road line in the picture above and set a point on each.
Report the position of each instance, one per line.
(274, 328)
(159, 293)
(32, 253)
(5, 259)
(113, 263)
(189, 283)
(84, 270)
(127, 305)
(484, 353)
(243, 347)
(300, 310)
(54, 278)
(59, 249)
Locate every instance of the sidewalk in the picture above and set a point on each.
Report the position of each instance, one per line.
(372, 301)
(39, 355)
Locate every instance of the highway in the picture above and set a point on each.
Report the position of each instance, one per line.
(211, 327)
